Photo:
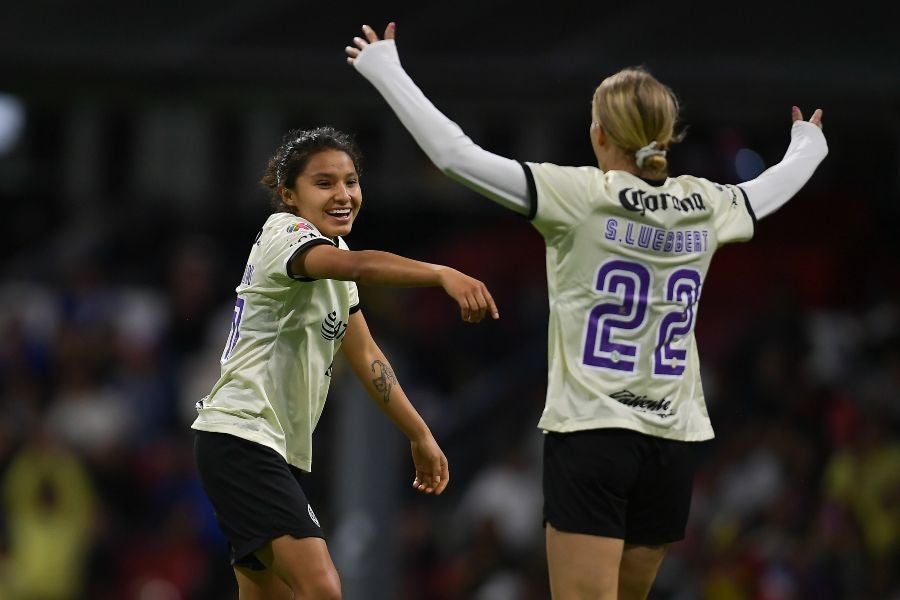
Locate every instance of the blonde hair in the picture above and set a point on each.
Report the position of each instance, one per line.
(635, 110)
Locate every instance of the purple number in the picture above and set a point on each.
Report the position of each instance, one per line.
(235, 333)
(683, 287)
(630, 281)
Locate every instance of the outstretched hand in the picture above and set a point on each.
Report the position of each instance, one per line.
(371, 38)
(797, 115)
(474, 300)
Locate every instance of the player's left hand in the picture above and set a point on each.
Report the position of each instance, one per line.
(815, 119)
(371, 37)
(432, 472)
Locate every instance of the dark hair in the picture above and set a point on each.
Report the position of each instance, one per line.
(297, 146)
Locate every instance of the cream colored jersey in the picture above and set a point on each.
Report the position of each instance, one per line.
(626, 261)
(276, 364)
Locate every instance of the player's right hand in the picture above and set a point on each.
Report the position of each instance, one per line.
(815, 119)
(371, 37)
(473, 297)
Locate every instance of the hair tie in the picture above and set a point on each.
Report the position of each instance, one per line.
(646, 152)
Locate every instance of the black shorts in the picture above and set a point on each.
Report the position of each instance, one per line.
(256, 494)
(619, 483)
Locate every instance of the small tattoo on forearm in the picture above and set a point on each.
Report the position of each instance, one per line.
(385, 380)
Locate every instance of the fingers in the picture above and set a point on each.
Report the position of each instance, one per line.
(816, 118)
(371, 38)
(465, 309)
(433, 484)
(444, 478)
(370, 34)
(429, 485)
(351, 52)
(478, 303)
(491, 305)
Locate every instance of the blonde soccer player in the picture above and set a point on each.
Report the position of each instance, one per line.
(627, 250)
(297, 306)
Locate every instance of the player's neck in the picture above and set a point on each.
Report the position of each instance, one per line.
(617, 162)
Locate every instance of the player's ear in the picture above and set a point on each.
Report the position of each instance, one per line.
(600, 133)
(287, 196)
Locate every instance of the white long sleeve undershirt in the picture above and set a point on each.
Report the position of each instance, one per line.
(503, 180)
(772, 188)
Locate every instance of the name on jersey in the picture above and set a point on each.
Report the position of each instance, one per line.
(656, 239)
(640, 201)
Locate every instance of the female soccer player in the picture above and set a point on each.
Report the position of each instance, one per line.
(297, 305)
(628, 248)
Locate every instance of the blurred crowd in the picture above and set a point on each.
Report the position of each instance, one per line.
(798, 496)
(111, 329)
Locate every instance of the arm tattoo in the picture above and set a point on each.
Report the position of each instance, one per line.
(385, 380)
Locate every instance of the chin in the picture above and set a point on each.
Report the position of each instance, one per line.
(339, 231)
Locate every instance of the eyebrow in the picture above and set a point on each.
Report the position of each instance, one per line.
(332, 174)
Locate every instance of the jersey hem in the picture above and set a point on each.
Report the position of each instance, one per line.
(681, 436)
(301, 464)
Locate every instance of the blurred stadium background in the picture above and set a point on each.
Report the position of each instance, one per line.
(131, 138)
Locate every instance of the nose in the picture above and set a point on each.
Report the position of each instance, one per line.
(343, 192)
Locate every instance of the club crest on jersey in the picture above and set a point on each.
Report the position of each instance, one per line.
(332, 327)
(640, 201)
(297, 227)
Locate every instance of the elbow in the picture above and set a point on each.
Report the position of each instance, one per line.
(447, 160)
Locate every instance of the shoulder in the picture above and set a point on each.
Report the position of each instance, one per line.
(287, 228)
(550, 169)
(710, 190)
(549, 176)
(289, 223)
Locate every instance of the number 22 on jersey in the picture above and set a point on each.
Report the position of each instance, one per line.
(614, 328)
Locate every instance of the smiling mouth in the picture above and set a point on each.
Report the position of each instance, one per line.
(340, 213)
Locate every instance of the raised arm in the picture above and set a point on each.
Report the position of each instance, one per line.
(374, 371)
(778, 184)
(452, 151)
(374, 267)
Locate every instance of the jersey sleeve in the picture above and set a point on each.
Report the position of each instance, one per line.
(561, 196)
(293, 236)
(352, 290)
(733, 216)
